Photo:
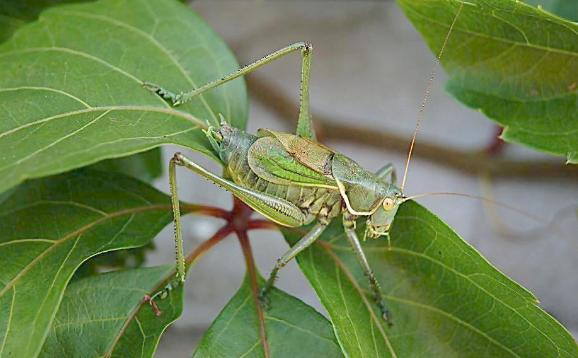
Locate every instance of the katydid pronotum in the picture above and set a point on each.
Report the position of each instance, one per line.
(292, 179)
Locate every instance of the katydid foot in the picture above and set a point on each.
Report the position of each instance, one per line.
(161, 295)
(171, 97)
(385, 315)
(264, 300)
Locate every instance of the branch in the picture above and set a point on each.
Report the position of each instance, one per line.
(252, 273)
(471, 162)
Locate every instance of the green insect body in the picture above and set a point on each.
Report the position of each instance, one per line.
(292, 179)
(314, 178)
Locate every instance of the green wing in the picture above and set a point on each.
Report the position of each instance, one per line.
(269, 159)
(311, 154)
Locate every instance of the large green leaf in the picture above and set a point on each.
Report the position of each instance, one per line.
(48, 228)
(293, 329)
(14, 14)
(515, 63)
(445, 299)
(105, 315)
(71, 85)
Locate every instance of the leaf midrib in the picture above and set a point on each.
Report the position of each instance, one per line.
(419, 255)
(133, 315)
(157, 44)
(338, 262)
(80, 231)
(498, 39)
(137, 108)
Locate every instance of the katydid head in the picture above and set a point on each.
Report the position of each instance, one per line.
(380, 221)
(221, 138)
(216, 139)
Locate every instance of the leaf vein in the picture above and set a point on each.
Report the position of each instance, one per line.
(79, 231)
(44, 88)
(497, 39)
(154, 42)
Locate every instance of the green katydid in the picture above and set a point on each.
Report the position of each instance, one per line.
(291, 179)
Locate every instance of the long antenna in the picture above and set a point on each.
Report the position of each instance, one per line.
(491, 201)
(427, 95)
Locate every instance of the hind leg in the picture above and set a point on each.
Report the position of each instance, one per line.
(304, 126)
(385, 171)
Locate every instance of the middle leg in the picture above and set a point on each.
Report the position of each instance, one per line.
(293, 251)
(349, 226)
(385, 171)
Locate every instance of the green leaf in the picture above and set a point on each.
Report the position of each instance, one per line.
(105, 315)
(71, 85)
(515, 63)
(48, 228)
(146, 166)
(445, 299)
(565, 8)
(293, 329)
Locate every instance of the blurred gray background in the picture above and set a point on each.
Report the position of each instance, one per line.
(370, 68)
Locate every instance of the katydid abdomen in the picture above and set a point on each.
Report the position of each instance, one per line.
(317, 202)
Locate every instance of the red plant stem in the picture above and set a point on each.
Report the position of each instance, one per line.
(206, 210)
(240, 215)
(237, 221)
(252, 272)
(496, 146)
(222, 233)
(262, 224)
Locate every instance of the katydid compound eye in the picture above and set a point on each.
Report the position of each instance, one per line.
(388, 204)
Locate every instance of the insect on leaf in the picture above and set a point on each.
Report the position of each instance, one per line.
(110, 307)
(71, 85)
(445, 299)
(514, 62)
(49, 227)
(294, 329)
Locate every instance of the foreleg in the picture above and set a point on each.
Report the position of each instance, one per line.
(349, 226)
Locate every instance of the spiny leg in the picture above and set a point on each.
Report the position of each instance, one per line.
(177, 218)
(304, 127)
(301, 245)
(180, 256)
(386, 170)
(349, 226)
(304, 124)
(277, 209)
